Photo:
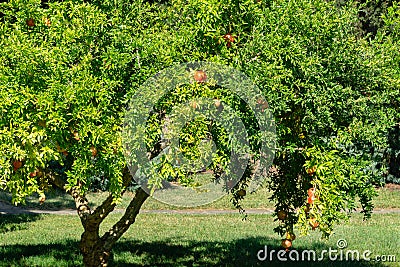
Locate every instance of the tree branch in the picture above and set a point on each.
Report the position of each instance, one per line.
(81, 202)
(107, 206)
(118, 229)
(91, 220)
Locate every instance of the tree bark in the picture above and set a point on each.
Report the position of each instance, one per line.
(119, 228)
(92, 249)
(96, 250)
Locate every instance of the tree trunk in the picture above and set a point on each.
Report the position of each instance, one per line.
(92, 249)
(96, 250)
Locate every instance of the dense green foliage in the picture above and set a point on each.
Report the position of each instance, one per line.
(65, 81)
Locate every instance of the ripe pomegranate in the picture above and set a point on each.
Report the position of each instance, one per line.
(200, 76)
(94, 151)
(310, 200)
(311, 170)
(33, 174)
(282, 215)
(30, 22)
(17, 164)
(76, 136)
(286, 243)
(229, 38)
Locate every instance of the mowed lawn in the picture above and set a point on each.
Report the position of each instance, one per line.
(189, 240)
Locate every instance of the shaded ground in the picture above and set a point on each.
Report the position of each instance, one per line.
(241, 252)
(185, 240)
(6, 208)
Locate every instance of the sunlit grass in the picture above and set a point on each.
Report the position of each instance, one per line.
(183, 240)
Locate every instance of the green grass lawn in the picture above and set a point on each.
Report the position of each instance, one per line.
(388, 198)
(183, 240)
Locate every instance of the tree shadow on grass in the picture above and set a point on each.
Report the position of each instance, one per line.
(9, 223)
(173, 252)
(64, 253)
(240, 252)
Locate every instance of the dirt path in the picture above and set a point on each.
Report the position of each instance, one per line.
(6, 208)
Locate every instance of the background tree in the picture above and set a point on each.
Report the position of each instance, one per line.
(69, 68)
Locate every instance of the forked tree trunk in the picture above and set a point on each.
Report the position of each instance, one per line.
(96, 250)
